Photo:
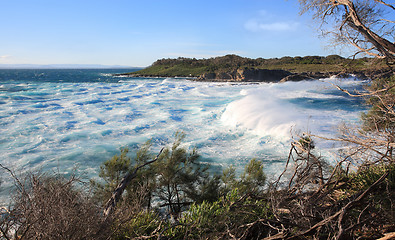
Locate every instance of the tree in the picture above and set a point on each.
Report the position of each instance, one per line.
(253, 179)
(181, 178)
(228, 179)
(113, 172)
(360, 23)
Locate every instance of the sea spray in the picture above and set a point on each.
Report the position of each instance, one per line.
(263, 113)
(307, 106)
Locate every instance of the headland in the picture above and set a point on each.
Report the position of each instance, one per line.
(234, 68)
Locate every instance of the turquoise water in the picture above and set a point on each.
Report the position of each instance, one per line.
(75, 119)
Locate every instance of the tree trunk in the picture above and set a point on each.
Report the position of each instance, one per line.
(382, 45)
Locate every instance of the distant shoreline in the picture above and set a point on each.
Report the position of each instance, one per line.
(233, 68)
(65, 66)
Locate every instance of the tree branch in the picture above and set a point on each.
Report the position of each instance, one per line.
(340, 213)
(116, 195)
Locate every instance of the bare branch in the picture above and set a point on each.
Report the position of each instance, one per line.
(355, 21)
(386, 4)
(374, 93)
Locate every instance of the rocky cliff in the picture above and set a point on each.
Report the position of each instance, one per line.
(246, 75)
(266, 75)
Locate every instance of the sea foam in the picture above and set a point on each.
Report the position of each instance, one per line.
(272, 110)
(62, 126)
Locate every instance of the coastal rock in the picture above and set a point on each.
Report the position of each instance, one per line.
(306, 76)
(246, 75)
(207, 76)
(225, 76)
(260, 75)
(296, 78)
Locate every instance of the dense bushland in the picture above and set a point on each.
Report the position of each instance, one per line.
(192, 67)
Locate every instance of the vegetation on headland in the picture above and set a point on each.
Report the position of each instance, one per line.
(229, 64)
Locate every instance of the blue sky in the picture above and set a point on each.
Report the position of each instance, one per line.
(136, 33)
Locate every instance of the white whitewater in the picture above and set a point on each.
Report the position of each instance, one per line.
(65, 126)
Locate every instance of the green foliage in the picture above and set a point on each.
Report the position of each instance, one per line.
(181, 178)
(253, 179)
(208, 220)
(208, 188)
(144, 184)
(205, 218)
(228, 179)
(176, 179)
(113, 170)
(180, 70)
(143, 223)
(364, 178)
(192, 67)
(184, 186)
(111, 173)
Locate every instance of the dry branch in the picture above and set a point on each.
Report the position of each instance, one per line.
(340, 213)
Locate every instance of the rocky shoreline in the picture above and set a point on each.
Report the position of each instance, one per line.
(261, 75)
(233, 68)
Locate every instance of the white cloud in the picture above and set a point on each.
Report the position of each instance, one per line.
(5, 58)
(257, 26)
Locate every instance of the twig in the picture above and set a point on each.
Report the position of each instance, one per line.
(340, 213)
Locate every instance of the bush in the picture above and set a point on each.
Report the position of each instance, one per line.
(144, 223)
(52, 207)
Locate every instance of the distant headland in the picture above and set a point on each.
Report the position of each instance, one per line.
(242, 69)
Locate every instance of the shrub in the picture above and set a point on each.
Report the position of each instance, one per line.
(52, 207)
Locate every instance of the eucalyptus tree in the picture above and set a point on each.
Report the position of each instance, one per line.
(368, 25)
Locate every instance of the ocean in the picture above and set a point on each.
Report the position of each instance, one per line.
(67, 120)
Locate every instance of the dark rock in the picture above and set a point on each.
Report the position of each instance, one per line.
(260, 75)
(246, 75)
(296, 78)
(207, 76)
(225, 76)
(306, 76)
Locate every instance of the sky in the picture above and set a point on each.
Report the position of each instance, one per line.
(138, 32)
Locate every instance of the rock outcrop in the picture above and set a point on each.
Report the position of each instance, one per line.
(266, 75)
(306, 76)
(253, 74)
(260, 75)
(246, 75)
